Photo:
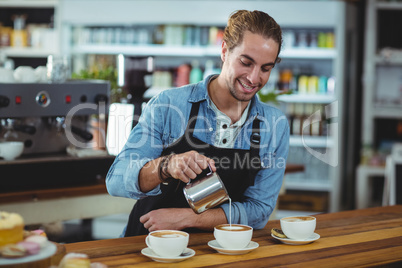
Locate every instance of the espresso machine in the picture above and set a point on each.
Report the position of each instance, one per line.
(50, 118)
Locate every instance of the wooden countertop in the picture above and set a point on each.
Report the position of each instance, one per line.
(366, 237)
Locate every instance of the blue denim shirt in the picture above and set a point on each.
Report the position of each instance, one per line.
(164, 120)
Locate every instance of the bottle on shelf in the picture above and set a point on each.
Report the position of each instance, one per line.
(297, 119)
(316, 126)
(183, 75)
(196, 72)
(312, 84)
(285, 78)
(331, 85)
(305, 121)
(295, 80)
(322, 84)
(303, 84)
(290, 113)
(210, 69)
(19, 36)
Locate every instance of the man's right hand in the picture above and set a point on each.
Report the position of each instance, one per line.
(188, 165)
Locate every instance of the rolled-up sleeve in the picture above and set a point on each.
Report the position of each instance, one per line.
(143, 145)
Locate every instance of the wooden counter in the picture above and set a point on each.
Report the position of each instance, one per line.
(367, 237)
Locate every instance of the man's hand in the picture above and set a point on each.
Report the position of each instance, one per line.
(188, 165)
(183, 167)
(167, 219)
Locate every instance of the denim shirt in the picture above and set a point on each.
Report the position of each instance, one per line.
(164, 120)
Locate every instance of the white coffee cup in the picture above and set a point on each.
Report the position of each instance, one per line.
(41, 74)
(298, 227)
(6, 75)
(236, 236)
(25, 74)
(9, 150)
(167, 243)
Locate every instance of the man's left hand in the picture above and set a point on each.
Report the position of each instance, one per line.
(167, 219)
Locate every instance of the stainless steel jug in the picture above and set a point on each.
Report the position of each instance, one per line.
(206, 192)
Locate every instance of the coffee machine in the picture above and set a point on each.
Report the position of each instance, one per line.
(50, 118)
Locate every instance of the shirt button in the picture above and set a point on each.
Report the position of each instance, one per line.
(224, 141)
(225, 126)
(211, 129)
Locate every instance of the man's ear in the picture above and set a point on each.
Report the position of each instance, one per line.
(224, 51)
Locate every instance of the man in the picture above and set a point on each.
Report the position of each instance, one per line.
(219, 122)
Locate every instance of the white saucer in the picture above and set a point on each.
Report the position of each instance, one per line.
(215, 245)
(188, 253)
(45, 252)
(289, 241)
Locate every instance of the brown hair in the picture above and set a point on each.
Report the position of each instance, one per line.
(257, 22)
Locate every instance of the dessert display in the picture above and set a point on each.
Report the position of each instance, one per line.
(11, 228)
(15, 242)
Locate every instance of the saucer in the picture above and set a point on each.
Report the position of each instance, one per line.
(45, 252)
(289, 241)
(215, 245)
(188, 253)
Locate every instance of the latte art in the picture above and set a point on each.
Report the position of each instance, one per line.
(298, 219)
(233, 227)
(168, 234)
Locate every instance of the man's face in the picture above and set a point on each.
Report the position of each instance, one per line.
(247, 67)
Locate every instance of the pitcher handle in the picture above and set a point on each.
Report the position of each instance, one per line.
(209, 173)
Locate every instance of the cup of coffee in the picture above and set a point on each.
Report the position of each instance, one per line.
(167, 243)
(298, 227)
(9, 150)
(235, 236)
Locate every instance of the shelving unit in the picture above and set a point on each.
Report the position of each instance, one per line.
(29, 52)
(148, 50)
(372, 60)
(52, 45)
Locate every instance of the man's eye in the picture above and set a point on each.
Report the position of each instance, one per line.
(266, 70)
(245, 63)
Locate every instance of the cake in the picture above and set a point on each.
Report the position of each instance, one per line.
(11, 228)
(75, 260)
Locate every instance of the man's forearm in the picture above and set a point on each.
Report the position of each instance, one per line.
(149, 175)
(208, 219)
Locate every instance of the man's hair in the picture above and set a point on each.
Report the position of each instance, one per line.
(257, 22)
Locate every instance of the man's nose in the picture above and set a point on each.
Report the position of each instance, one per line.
(253, 76)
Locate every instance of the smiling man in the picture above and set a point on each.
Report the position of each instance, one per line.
(218, 122)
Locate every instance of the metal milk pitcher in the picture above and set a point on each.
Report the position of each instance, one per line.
(206, 192)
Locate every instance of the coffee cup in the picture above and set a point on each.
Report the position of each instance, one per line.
(9, 150)
(298, 227)
(25, 74)
(167, 243)
(6, 75)
(234, 236)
